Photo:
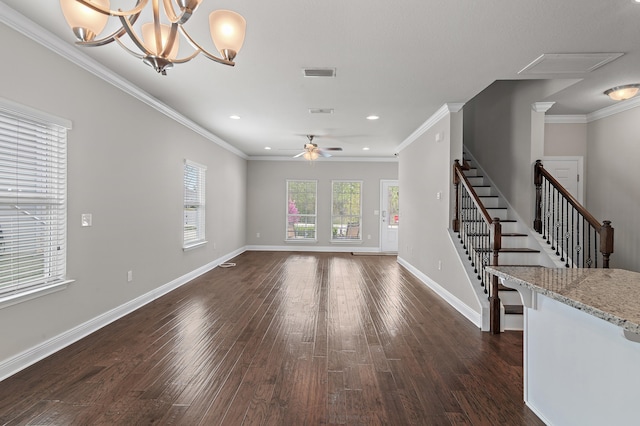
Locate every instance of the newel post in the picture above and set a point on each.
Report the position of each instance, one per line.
(494, 299)
(456, 184)
(537, 181)
(606, 242)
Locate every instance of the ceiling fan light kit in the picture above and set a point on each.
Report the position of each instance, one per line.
(159, 43)
(312, 152)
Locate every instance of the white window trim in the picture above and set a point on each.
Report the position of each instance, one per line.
(286, 217)
(190, 245)
(28, 113)
(345, 240)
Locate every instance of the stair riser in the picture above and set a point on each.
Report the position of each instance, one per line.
(502, 214)
(471, 172)
(476, 180)
(483, 190)
(490, 202)
(514, 322)
(515, 242)
(518, 258)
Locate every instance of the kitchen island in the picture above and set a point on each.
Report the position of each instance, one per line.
(581, 343)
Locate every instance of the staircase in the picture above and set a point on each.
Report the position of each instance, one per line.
(519, 246)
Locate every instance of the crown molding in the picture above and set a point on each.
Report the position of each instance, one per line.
(566, 119)
(329, 159)
(442, 112)
(28, 28)
(541, 106)
(614, 109)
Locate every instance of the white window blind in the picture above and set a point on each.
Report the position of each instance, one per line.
(194, 204)
(32, 204)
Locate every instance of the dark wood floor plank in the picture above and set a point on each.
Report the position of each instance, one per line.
(282, 339)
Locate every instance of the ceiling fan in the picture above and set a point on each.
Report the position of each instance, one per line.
(312, 152)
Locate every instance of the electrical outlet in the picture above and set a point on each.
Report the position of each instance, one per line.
(439, 265)
(257, 235)
(129, 276)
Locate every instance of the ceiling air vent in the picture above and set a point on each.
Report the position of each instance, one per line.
(320, 110)
(568, 63)
(319, 72)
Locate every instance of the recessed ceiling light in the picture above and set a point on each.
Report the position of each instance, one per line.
(267, 148)
(366, 148)
(234, 117)
(372, 117)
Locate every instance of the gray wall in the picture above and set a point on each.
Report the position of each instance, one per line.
(125, 166)
(266, 199)
(426, 170)
(506, 136)
(568, 139)
(613, 182)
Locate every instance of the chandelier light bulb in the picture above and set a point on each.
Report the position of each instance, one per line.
(149, 38)
(227, 32)
(85, 22)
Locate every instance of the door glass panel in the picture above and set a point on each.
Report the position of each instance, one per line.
(392, 206)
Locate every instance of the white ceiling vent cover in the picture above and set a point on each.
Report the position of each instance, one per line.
(320, 110)
(319, 72)
(568, 63)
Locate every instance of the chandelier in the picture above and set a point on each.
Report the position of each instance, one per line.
(159, 43)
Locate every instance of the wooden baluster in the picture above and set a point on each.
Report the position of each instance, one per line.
(456, 184)
(606, 242)
(537, 180)
(494, 299)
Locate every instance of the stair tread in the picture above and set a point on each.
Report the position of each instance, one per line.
(513, 309)
(511, 250)
(488, 208)
(501, 220)
(503, 288)
(519, 250)
(484, 234)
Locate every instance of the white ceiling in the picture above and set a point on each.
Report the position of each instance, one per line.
(401, 60)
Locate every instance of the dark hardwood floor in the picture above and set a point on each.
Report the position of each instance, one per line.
(282, 339)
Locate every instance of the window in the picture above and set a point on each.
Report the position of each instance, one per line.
(301, 209)
(33, 168)
(194, 204)
(346, 210)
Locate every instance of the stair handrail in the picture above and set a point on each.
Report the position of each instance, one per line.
(458, 177)
(495, 243)
(604, 229)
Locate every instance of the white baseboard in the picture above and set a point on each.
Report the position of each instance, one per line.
(457, 304)
(23, 360)
(325, 249)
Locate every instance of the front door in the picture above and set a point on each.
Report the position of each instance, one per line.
(389, 215)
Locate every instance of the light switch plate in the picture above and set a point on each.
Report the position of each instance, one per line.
(86, 219)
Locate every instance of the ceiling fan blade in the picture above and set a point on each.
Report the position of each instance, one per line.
(324, 154)
(299, 155)
(333, 149)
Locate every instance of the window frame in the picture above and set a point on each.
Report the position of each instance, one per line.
(198, 202)
(40, 138)
(345, 238)
(294, 238)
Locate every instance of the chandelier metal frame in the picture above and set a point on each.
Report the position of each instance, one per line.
(161, 61)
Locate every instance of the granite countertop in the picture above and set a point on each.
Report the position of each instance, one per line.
(610, 294)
